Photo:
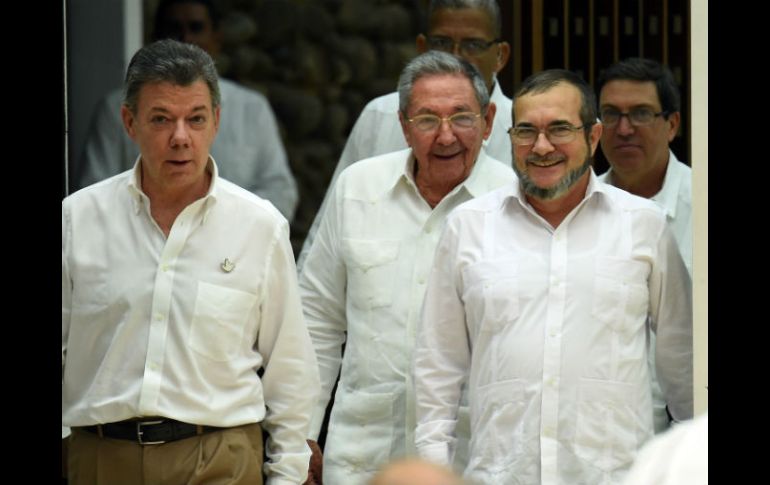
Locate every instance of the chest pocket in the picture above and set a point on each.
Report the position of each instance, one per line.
(491, 294)
(219, 321)
(371, 271)
(620, 292)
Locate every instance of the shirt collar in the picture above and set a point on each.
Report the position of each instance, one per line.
(474, 183)
(668, 193)
(667, 196)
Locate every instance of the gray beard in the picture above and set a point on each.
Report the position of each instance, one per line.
(558, 190)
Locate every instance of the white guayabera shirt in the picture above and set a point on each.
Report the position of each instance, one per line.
(377, 131)
(551, 329)
(366, 275)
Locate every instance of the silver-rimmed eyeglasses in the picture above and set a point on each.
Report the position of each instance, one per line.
(557, 134)
(463, 120)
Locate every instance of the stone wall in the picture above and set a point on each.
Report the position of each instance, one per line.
(319, 63)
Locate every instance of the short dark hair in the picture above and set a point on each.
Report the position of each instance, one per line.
(544, 80)
(638, 69)
(160, 29)
(438, 62)
(491, 8)
(170, 61)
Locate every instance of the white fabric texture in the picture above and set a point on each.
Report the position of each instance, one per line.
(378, 131)
(550, 329)
(366, 276)
(679, 456)
(179, 326)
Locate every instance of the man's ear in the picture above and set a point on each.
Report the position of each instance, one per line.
(129, 121)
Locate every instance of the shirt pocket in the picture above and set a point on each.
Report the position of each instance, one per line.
(621, 296)
(360, 430)
(219, 320)
(491, 294)
(371, 271)
(607, 430)
(497, 421)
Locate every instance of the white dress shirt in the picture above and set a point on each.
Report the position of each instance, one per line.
(248, 146)
(378, 131)
(675, 197)
(550, 328)
(366, 276)
(179, 326)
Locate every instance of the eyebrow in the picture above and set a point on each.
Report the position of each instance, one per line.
(160, 109)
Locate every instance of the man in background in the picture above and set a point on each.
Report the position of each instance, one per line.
(249, 150)
(365, 276)
(470, 29)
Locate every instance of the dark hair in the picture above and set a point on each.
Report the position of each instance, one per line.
(491, 8)
(170, 61)
(160, 29)
(545, 80)
(438, 62)
(638, 69)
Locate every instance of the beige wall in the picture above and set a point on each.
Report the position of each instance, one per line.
(700, 170)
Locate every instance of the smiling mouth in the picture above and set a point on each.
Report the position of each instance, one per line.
(545, 164)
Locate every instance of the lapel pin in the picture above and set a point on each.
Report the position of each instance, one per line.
(227, 265)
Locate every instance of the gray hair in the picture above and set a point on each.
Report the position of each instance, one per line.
(433, 63)
(169, 61)
(490, 7)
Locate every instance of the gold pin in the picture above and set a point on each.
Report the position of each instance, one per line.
(227, 265)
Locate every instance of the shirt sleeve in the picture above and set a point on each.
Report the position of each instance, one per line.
(290, 379)
(441, 355)
(273, 179)
(672, 321)
(323, 284)
(106, 146)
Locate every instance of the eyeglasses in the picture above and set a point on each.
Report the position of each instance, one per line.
(459, 121)
(556, 134)
(637, 116)
(468, 47)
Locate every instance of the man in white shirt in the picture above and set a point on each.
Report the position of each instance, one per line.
(470, 29)
(249, 149)
(365, 276)
(541, 300)
(177, 288)
(639, 107)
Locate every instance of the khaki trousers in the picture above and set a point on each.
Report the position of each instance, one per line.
(232, 456)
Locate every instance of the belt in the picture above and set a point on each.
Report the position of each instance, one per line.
(150, 431)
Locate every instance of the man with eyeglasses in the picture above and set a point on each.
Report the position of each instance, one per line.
(364, 277)
(249, 150)
(470, 29)
(639, 108)
(540, 300)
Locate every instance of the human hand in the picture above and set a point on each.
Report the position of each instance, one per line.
(315, 470)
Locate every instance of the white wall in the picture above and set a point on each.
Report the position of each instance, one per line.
(699, 80)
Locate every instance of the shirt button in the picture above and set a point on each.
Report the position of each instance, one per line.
(158, 317)
(164, 267)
